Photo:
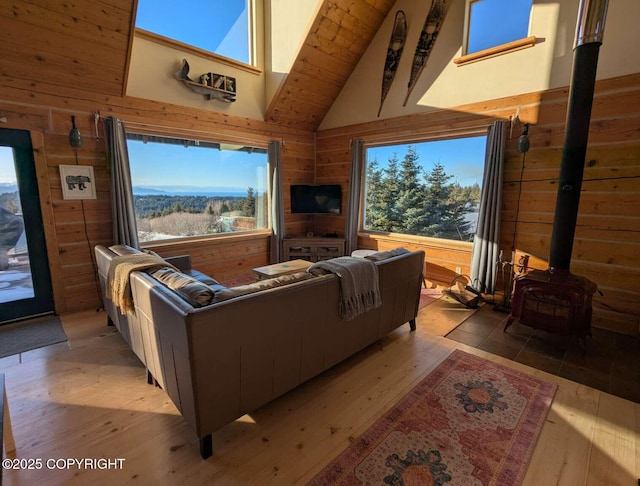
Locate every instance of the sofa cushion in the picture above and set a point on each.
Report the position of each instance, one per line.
(383, 255)
(196, 293)
(231, 292)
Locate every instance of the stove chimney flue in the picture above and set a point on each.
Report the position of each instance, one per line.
(592, 15)
(589, 34)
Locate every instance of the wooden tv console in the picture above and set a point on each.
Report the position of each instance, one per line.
(312, 249)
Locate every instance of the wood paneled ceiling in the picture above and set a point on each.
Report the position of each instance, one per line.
(48, 45)
(75, 46)
(337, 39)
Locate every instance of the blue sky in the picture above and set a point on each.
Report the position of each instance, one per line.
(214, 25)
(495, 22)
(7, 169)
(463, 157)
(166, 165)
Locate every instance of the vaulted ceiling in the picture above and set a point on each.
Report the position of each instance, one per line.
(83, 46)
(337, 39)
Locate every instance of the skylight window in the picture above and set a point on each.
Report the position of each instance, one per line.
(219, 27)
(491, 23)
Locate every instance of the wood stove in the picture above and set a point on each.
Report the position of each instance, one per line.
(555, 299)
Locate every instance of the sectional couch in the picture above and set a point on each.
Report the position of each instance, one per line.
(220, 360)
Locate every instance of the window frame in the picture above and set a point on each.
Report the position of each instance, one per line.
(527, 41)
(186, 240)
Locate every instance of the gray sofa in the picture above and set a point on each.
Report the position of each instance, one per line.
(224, 359)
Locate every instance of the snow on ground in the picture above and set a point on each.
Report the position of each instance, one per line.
(15, 285)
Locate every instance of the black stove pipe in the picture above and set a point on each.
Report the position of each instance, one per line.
(589, 32)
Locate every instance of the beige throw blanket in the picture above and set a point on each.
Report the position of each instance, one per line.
(358, 284)
(118, 286)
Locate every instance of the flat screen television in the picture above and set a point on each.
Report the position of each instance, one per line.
(316, 199)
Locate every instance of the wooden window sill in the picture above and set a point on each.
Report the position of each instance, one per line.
(159, 39)
(232, 237)
(426, 241)
(496, 51)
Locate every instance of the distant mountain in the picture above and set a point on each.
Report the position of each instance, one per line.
(211, 191)
(148, 191)
(8, 187)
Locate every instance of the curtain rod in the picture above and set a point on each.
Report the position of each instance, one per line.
(427, 136)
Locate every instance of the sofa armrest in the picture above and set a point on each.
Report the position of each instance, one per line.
(181, 262)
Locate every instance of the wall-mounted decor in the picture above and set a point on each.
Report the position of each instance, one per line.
(77, 182)
(214, 86)
(394, 52)
(220, 82)
(432, 25)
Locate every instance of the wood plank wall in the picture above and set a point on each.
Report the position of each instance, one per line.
(605, 250)
(73, 228)
(607, 245)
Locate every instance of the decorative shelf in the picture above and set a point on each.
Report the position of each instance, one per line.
(210, 91)
(209, 84)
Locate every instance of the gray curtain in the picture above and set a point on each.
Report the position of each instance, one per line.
(486, 241)
(353, 201)
(277, 201)
(125, 231)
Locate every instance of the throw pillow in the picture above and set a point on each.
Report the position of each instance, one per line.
(230, 293)
(194, 292)
(383, 255)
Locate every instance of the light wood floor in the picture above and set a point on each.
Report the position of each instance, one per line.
(89, 399)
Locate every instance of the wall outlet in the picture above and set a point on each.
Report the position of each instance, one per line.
(459, 270)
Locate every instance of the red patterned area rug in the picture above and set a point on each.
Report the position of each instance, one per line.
(428, 296)
(470, 422)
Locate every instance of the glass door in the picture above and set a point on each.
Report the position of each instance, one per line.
(25, 281)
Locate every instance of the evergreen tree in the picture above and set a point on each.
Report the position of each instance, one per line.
(388, 218)
(436, 195)
(373, 203)
(407, 199)
(446, 212)
(466, 200)
(459, 207)
(410, 205)
(249, 204)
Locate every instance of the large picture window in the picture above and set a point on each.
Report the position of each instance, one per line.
(224, 28)
(426, 188)
(186, 188)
